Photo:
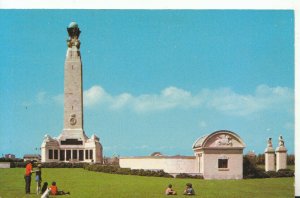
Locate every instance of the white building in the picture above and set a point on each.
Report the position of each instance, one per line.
(217, 156)
(32, 157)
(72, 145)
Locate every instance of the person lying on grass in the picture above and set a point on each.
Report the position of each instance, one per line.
(170, 191)
(55, 191)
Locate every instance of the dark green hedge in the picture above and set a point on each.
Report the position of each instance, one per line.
(184, 175)
(250, 170)
(125, 171)
(18, 164)
(62, 165)
(3, 159)
(49, 165)
(281, 173)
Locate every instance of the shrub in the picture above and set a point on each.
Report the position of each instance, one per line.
(18, 164)
(281, 173)
(272, 174)
(114, 169)
(251, 171)
(3, 159)
(184, 175)
(62, 165)
(285, 173)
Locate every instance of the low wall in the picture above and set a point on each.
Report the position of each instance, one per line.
(4, 164)
(171, 165)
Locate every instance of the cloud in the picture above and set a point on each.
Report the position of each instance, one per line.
(264, 97)
(41, 97)
(126, 147)
(59, 98)
(289, 126)
(169, 98)
(223, 100)
(121, 101)
(202, 124)
(95, 95)
(26, 104)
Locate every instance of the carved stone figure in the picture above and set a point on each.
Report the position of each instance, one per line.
(281, 141)
(47, 137)
(270, 142)
(224, 140)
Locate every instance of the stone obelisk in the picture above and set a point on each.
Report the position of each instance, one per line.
(72, 145)
(73, 101)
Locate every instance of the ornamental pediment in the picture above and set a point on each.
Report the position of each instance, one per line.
(220, 139)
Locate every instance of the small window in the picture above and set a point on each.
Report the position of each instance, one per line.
(55, 154)
(91, 154)
(62, 155)
(86, 154)
(50, 154)
(74, 154)
(222, 163)
(68, 157)
(80, 155)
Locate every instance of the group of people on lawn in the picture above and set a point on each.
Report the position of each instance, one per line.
(52, 190)
(188, 190)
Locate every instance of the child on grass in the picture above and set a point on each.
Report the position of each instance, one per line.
(189, 189)
(55, 191)
(170, 191)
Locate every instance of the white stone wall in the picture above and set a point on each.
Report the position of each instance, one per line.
(4, 164)
(169, 165)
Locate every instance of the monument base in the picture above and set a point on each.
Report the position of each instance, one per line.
(269, 159)
(70, 149)
(281, 158)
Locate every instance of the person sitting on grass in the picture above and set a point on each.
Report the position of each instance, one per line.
(45, 191)
(170, 191)
(55, 191)
(189, 189)
(44, 188)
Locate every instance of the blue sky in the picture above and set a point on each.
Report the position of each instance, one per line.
(154, 80)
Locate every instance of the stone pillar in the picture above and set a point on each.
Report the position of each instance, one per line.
(281, 155)
(269, 157)
(198, 162)
(94, 155)
(43, 154)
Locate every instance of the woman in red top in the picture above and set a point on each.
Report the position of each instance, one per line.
(54, 190)
(27, 177)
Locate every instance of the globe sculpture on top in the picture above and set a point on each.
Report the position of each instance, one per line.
(74, 32)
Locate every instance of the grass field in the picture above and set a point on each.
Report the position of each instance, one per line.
(82, 183)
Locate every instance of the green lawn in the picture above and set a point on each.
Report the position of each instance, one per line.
(82, 183)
